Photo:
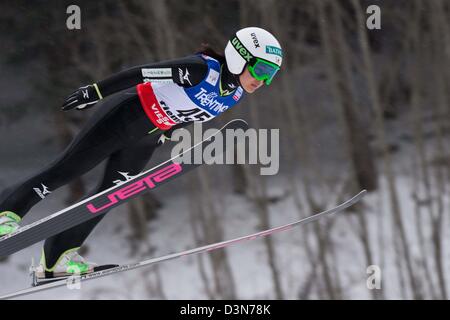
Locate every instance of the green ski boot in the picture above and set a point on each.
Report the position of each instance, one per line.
(9, 222)
(70, 263)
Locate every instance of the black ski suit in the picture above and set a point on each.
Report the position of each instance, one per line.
(119, 132)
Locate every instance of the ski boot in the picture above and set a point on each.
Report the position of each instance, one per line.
(70, 263)
(9, 222)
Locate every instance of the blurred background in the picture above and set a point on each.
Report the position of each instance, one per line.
(356, 108)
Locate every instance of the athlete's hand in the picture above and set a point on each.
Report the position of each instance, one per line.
(167, 135)
(162, 139)
(82, 98)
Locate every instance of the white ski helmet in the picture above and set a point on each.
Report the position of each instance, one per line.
(251, 45)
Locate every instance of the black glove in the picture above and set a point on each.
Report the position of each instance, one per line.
(167, 135)
(162, 138)
(82, 98)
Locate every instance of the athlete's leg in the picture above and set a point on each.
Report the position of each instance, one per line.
(119, 119)
(131, 160)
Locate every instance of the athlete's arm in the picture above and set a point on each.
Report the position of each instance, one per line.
(186, 72)
(173, 70)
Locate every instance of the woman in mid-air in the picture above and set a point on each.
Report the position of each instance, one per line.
(149, 102)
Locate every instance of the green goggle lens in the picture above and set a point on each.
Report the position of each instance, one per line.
(263, 71)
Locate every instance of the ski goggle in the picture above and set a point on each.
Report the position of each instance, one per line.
(263, 70)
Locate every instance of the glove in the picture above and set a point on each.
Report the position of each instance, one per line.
(82, 98)
(162, 139)
(167, 135)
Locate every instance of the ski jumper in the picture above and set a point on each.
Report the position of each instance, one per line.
(141, 103)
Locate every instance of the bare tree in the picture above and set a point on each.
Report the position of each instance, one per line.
(388, 170)
(420, 165)
(207, 227)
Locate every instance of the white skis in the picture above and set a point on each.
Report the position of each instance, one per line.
(71, 281)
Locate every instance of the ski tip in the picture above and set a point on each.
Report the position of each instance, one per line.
(358, 196)
(238, 120)
(242, 121)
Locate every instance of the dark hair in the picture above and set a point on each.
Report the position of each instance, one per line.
(208, 50)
